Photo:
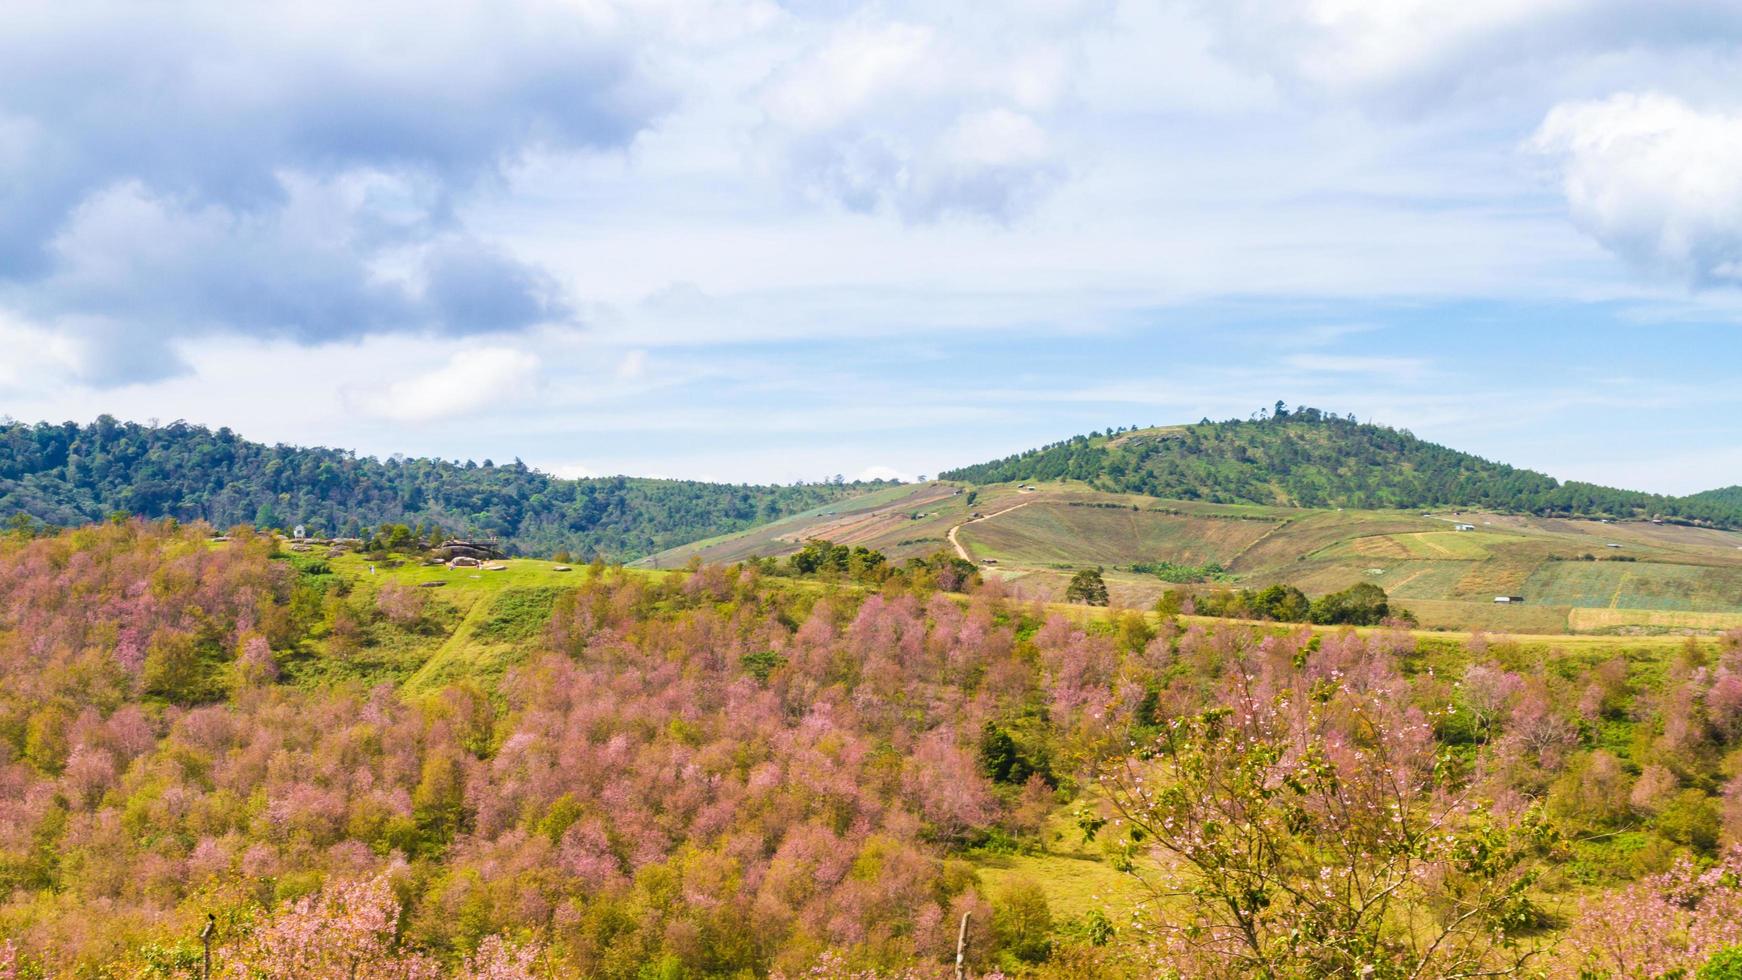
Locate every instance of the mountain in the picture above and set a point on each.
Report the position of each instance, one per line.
(1722, 497)
(1310, 458)
(71, 474)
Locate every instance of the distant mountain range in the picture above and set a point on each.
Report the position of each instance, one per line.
(1310, 458)
(71, 474)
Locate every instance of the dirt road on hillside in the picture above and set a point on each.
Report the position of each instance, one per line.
(962, 552)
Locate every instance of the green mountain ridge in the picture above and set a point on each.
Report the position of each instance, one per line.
(1311, 458)
(70, 474)
(1722, 496)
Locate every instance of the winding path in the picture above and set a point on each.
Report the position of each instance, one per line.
(957, 544)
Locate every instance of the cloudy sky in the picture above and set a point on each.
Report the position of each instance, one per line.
(750, 240)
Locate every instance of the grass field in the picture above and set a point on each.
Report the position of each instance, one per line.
(476, 626)
(1433, 545)
(1076, 876)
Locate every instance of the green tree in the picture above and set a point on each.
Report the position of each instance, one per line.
(438, 804)
(1087, 586)
(173, 670)
(1361, 604)
(1022, 921)
(1283, 603)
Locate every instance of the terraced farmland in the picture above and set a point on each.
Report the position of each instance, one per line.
(1655, 578)
(1638, 585)
(1060, 533)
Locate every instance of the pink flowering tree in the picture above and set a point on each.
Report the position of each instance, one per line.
(1307, 831)
(1664, 925)
(345, 932)
(403, 605)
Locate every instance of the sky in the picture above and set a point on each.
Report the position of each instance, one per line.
(756, 241)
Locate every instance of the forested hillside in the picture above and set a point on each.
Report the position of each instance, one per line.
(71, 474)
(722, 773)
(1310, 458)
(1722, 497)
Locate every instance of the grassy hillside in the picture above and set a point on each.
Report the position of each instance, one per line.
(1308, 458)
(70, 474)
(1576, 575)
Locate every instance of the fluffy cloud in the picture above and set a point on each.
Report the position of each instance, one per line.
(1655, 181)
(469, 381)
(33, 355)
(295, 170)
(1410, 52)
(917, 117)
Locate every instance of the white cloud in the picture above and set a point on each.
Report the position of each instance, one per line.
(925, 119)
(1350, 43)
(470, 381)
(1654, 180)
(1414, 54)
(36, 357)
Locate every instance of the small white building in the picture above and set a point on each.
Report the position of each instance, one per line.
(1463, 527)
(299, 532)
(1509, 599)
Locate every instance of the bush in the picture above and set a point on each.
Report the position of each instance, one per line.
(761, 663)
(1725, 964)
(1691, 819)
(1022, 921)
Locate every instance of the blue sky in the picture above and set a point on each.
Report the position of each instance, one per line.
(747, 240)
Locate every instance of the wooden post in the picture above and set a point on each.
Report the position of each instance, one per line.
(206, 937)
(962, 947)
